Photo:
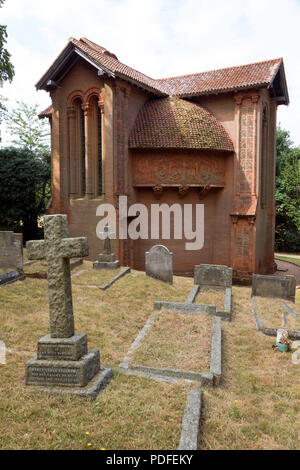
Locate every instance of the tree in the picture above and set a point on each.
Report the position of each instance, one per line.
(24, 190)
(28, 130)
(287, 193)
(6, 67)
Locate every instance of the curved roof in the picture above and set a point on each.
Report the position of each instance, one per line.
(177, 123)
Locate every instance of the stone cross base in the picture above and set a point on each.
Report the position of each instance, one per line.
(106, 261)
(107, 257)
(63, 373)
(64, 362)
(106, 265)
(63, 349)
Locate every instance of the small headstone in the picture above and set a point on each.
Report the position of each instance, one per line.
(213, 275)
(63, 358)
(283, 287)
(159, 264)
(106, 259)
(11, 250)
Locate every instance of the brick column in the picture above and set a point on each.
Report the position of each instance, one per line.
(89, 171)
(121, 156)
(101, 106)
(73, 163)
(243, 211)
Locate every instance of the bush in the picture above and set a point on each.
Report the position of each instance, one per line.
(24, 190)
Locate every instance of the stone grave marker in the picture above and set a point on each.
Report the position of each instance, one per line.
(106, 259)
(11, 250)
(159, 264)
(63, 358)
(283, 287)
(213, 275)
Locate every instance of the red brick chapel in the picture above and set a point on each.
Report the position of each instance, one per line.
(207, 138)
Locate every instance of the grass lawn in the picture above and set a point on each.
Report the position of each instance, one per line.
(94, 277)
(211, 296)
(288, 258)
(257, 405)
(124, 416)
(270, 313)
(179, 341)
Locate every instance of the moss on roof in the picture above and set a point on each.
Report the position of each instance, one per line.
(177, 123)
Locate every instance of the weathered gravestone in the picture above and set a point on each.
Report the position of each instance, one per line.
(106, 259)
(63, 358)
(213, 275)
(11, 250)
(283, 287)
(159, 263)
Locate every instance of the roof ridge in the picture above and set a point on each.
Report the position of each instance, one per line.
(112, 58)
(280, 59)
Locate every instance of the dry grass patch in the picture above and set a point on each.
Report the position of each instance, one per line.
(258, 403)
(175, 340)
(131, 413)
(211, 296)
(95, 277)
(111, 318)
(270, 313)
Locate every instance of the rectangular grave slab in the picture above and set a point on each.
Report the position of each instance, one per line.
(63, 373)
(159, 264)
(283, 287)
(11, 276)
(62, 349)
(11, 250)
(213, 275)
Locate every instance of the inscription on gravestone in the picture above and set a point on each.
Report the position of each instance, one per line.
(11, 250)
(283, 287)
(213, 275)
(159, 264)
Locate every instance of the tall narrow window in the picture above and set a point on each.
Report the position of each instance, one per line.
(99, 135)
(82, 135)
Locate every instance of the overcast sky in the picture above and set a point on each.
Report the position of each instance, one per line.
(160, 38)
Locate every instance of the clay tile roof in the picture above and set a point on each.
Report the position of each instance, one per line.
(111, 63)
(46, 113)
(223, 80)
(259, 74)
(177, 123)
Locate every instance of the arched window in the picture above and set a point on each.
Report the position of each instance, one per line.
(95, 148)
(76, 148)
(85, 145)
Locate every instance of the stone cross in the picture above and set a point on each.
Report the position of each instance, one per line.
(57, 249)
(107, 235)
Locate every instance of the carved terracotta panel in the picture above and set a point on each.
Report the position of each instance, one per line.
(177, 170)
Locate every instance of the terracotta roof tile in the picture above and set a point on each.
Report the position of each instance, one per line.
(177, 123)
(228, 79)
(46, 113)
(110, 62)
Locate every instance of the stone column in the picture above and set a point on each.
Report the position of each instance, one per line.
(73, 161)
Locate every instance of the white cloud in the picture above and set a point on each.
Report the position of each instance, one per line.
(159, 38)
